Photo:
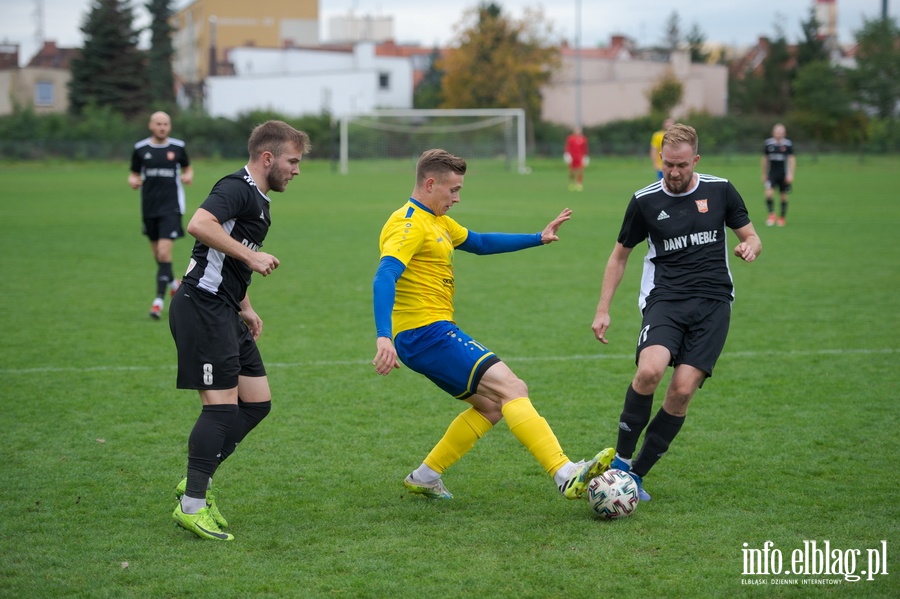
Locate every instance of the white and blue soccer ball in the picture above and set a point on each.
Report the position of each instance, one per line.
(613, 494)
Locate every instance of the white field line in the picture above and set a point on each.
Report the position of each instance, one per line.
(511, 360)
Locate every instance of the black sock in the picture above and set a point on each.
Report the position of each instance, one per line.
(164, 276)
(249, 415)
(783, 209)
(635, 416)
(660, 433)
(205, 445)
(770, 206)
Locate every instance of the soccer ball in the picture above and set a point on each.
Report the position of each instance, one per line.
(613, 494)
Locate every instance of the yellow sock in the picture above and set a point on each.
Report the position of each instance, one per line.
(460, 437)
(535, 434)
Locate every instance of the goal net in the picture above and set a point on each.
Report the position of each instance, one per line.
(497, 133)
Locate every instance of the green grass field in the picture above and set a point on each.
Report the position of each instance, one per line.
(794, 440)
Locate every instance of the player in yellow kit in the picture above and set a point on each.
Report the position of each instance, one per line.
(656, 148)
(413, 301)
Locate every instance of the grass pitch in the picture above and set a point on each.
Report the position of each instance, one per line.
(793, 440)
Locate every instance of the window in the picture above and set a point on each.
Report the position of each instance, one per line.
(384, 81)
(43, 93)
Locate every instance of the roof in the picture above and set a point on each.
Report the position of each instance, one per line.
(54, 57)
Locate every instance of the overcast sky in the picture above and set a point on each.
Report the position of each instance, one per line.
(733, 22)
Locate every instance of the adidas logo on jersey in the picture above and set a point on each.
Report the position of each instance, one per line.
(662, 216)
(262, 215)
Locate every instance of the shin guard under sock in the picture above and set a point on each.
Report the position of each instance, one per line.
(535, 434)
(634, 418)
(660, 433)
(164, 276)
(460, 437)
(205, 445)
(248, 416)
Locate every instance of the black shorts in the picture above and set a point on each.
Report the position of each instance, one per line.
(778, 182)
(693, 330)
(162, 227)
(213, 343)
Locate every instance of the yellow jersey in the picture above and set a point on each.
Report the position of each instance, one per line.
(424, 243)
(656, 144)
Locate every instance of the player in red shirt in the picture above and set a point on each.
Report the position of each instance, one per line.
(576, 156)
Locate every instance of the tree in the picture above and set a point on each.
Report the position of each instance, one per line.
(744, 93)
(823, 104)
(499, 62)
(110, 71)
(877, 76)
(696, 40)
(775, 98)
(161, 82)
(765, 88)
(672, 39)
(665, 96)
(428, 92)
(811, 48)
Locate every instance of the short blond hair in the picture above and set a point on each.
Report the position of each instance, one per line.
(680, 133)
(438, 163)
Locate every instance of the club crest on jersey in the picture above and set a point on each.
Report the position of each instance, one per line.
(170, 155)
(702, 205)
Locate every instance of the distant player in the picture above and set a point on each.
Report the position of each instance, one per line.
(413, 304)
(778, 167)
(159, 167)
(656, 148)
(576, 156)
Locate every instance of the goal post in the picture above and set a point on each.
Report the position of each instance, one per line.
(403, 133)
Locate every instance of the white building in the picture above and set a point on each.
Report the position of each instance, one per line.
(296, 81)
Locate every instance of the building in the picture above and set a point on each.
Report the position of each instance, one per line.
(205, 30)
(615, 84)
(352, 29)
(420, 56)
(42, 85)
(826, 16)
(299, 81)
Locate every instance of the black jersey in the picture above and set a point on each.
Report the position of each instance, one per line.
(160, 168)
(243, 210)
(686, 234)
(777, 152)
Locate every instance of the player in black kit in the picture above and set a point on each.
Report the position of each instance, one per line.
(159, 167)
(778, 166)
(686, 293)
(213, 323)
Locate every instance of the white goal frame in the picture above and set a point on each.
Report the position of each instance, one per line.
(518, 114)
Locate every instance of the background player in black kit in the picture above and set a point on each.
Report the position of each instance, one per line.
(213, 323)
(159, 166)
(778, 166)
(686, 293)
